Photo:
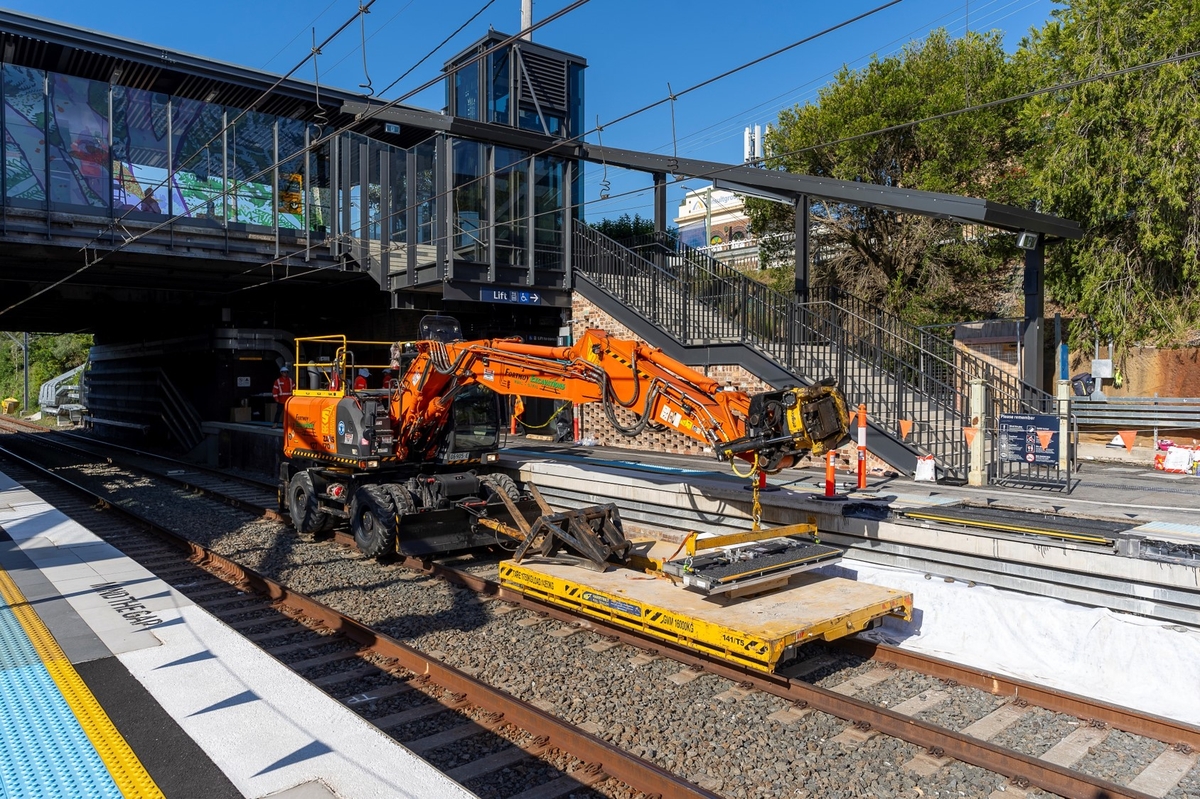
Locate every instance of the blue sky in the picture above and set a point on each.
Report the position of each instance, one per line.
(634, 49)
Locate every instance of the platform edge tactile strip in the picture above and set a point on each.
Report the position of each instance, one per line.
(124, 767)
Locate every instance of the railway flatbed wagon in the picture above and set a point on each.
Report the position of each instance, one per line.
(757, 631)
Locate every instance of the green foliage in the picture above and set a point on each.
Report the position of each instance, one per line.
(625, 227)
(1122, 156)
(926, 269)
(49, 356)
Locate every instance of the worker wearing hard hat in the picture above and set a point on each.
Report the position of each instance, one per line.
(360, 382)
(282, 390)
(389, 380)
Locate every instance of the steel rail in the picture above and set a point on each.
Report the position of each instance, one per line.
(141, 453)
(550, 732)
(17, 425)
(1018, 767)
(1148, 725)
(236, 502)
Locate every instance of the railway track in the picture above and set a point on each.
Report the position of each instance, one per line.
(1027, 737)
(477, 735)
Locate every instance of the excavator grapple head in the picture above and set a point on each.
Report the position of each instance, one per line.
(784, 424)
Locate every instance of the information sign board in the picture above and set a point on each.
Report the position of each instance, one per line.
(1029, 438)
(510, 295)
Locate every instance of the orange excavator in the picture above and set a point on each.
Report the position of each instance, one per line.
(415, 465)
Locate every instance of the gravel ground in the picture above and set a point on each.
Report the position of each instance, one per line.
(964, 707)
(730, 747)
(430, 725)
(1036, 731)
(1121, 757)
(1189, 786)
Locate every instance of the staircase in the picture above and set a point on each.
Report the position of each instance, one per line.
(679, 298)
(142, 398)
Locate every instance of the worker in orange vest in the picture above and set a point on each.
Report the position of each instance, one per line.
(282, 390)
(360, 382)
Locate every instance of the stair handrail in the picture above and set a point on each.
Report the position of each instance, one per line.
(179, 414)
(1018, 395)
(807, 342)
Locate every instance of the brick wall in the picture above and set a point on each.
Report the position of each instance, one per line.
(595, 425)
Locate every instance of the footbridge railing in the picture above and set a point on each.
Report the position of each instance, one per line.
(902, 374)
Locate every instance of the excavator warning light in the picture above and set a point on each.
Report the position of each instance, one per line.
(491, 457)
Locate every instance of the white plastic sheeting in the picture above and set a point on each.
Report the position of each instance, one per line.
(1126, 660)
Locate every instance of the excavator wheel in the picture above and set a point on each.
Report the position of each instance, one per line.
(499, 483)
(373, 521)
(303, 507)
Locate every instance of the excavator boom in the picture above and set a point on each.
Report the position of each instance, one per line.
(638, 386)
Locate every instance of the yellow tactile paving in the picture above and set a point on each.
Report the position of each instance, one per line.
(122, 764)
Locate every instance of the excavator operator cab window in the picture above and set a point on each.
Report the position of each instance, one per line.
(475, 420)
(440, 328)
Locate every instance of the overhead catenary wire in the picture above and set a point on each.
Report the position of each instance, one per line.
(725, 133)
(599, 126)
(1014, 98)
(756, 61)
(1058, 87)
(377, 31)
(375, 111)
(292, 41)
(442, 44)
(380, 109)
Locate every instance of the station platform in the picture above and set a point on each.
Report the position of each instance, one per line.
(1116, 489)
(1112, 490)
(113, 684)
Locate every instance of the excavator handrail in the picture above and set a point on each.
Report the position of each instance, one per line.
(343, 360)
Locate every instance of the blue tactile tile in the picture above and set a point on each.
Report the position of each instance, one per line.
(43, 750)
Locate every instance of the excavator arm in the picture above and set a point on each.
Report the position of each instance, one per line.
(638, 387)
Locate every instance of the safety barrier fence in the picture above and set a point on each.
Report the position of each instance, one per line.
(1157, 414)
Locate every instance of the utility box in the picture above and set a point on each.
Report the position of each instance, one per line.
(240, 414)
(9, 406)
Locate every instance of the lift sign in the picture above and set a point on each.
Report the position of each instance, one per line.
(1029, 438)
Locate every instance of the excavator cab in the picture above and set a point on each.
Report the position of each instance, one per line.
(473, 432)
(440, 328)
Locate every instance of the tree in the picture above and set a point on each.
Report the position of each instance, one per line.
(1122, 156)
(49, 356)
(625, 227)
(927, 269)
